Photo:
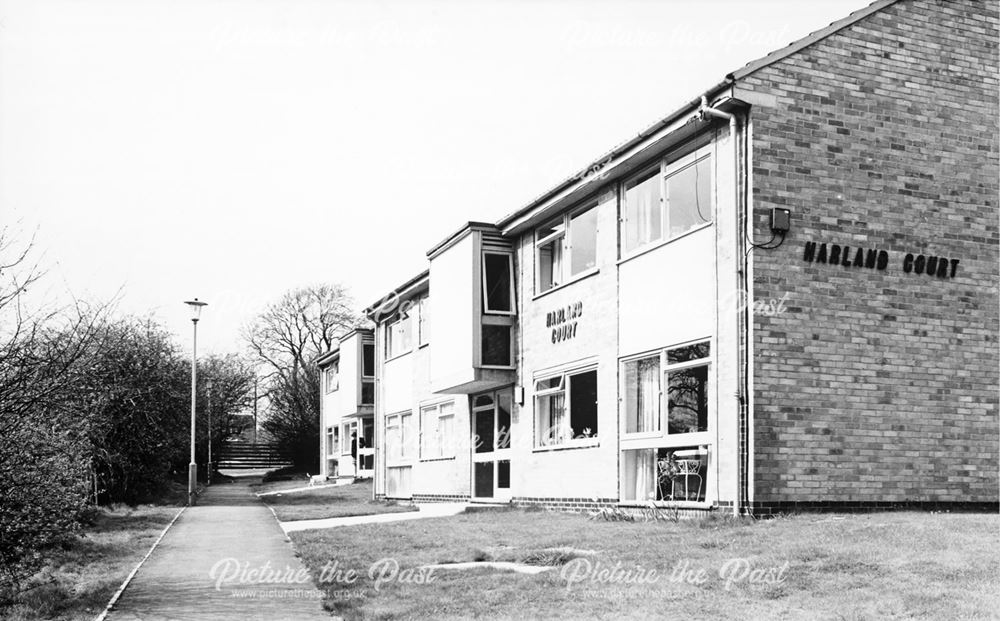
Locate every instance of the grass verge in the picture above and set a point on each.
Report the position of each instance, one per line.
(874, 566)
(326, 502)
(79, 578)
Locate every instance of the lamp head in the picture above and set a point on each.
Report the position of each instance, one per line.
(195, 307)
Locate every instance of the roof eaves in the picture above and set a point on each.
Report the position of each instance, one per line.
(729, 80)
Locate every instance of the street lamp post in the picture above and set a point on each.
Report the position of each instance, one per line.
(208, 473)
(195, 307)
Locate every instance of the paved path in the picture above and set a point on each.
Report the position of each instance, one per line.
(256, 574)
(428, 510)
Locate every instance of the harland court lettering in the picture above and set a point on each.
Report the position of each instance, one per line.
(872, 258)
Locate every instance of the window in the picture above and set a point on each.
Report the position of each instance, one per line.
(498, 283)
(687, 389)
(674, 474)
(437, 431)
(685, 376)
(689, 197)
(393, 438)
(549, 254)
(666, 201)
(330, 376)
(566, 408)
(408, 436)
(583, 241)
(565, 247)
(349, 434)
(368, 374)
(423, 325)
(368, 360)
(399, 336)
(332, 441)
(642, 395)
(642, 211)
(496, 346)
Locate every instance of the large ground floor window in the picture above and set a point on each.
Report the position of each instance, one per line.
(667, 424)
(665, 474)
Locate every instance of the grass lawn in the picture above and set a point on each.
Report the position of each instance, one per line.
(79, 579)
(326, 502)
(811, 566)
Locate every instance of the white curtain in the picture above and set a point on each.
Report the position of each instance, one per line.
(649, 394)
(645, 474)
(559, 430)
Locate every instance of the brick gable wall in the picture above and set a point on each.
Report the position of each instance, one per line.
(880, 385)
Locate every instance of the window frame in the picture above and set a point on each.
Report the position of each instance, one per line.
(403, 315)
(491, 320)
(566, 378)
(564, 223)
(333, 441)
(510, 273)
(364, 345)
(659, 355)
(345, 437)
(367, 379)
(333, 367)
(395, 421)
(661, 438)
(667, 168)
(434, 409)
(423, 328)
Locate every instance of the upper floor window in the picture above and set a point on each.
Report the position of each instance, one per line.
(498, 283)
(399, 336)
(423, 323)
(368, 360)
(666, 201)
(565, 247)
(368, 374)
(330, 376)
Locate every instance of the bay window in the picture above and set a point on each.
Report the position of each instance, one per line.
(566, 408)
(565, 247)
(367, 374)
(666, 201)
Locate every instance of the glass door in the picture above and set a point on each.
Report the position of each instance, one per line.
(366, 450)
(491, 445)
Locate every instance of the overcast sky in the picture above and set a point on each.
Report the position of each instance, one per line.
(232, 150)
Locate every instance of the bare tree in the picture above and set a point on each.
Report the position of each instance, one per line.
(43, 465)
(287, 338)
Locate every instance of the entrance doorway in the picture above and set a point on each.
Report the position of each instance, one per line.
(491, 445)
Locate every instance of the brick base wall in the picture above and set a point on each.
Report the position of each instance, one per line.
(767, 509)
(440, 497)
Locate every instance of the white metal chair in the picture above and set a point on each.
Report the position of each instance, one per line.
(689, 469)
(663, 476)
